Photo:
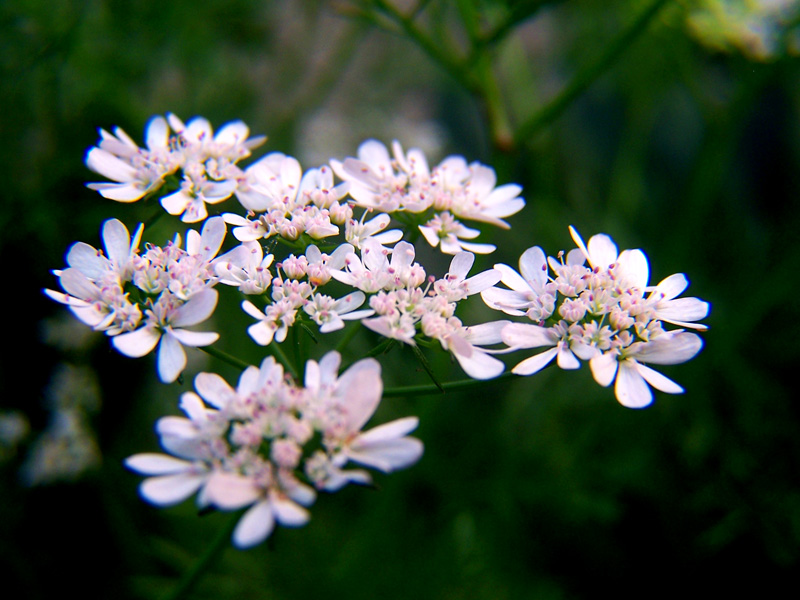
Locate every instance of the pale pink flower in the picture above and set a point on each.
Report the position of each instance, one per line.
(626, 366)
(164, 328)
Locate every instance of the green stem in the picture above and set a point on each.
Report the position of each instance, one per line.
(348, 336)
(224, 357)
(589, 74)
(201, 566)
(521, 10)
(431, 389)
(275, 349)
(432, 49)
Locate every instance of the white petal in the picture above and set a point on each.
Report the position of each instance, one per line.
(363, 388)
(567, 360)
(121, 192)
(232, 133)
(430, 235)
(117, 241)
(108, 165)
(157, 133)
(85, 258)
(533, 267)
(388, 431)
(170, 489)
(602, 251)
(479, 365)
(485, 333)
(254, 526)
(214, 389)
(535, 363)
(525, 335)
(478, 248)
(195, 339)
(193, 407)
(197, 309)
(137, 343)
(288, 513)
(635, 266)
(176, 202)
(670, 349)
(156, 464)
(659, 381)
(171, 358)
(512, 279)
(482, 281)
(672, 286)
(604, 368)
(461, 264)
(230, 491)
(389, 455)
(631, 389)
(683, 309)
(261, 333)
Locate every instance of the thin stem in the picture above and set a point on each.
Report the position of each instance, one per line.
(276, 350)
(348, 336)
(432, 389)
(224, 356)
(520, 11)
(201, 566)
(432, 49)
(589, 74)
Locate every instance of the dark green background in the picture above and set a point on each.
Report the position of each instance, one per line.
(541, 487)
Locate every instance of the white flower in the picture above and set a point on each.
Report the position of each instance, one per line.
(630, 266)
(530, 292)
(464, 345)
(358, 232)
(271, 182)
(120, 249)
(198, 142)
(357, 393)
(231, 491)
(273, 323)
(444, 231)
(245, 267)
(196, 191)
(455, 286)
(373, 180)
(470, 192)
(678, 311)
(330, 314)
(172, 480)
(136, 171)
(562, 337)
(165, 328)
(632, 377)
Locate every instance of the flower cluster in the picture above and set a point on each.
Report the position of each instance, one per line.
(172, 289)
(207, 162)
(450, 191)
(597, 306)
(260, 445)
(309, 251)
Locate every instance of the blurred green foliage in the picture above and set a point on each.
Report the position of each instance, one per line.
(541, 487)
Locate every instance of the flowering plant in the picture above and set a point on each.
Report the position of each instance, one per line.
(312, 256)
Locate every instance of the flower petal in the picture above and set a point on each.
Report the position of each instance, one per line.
(631, 389)
(171, 489)
(535, 363)
(255, 526)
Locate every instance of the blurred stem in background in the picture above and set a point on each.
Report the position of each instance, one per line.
(474, 67)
